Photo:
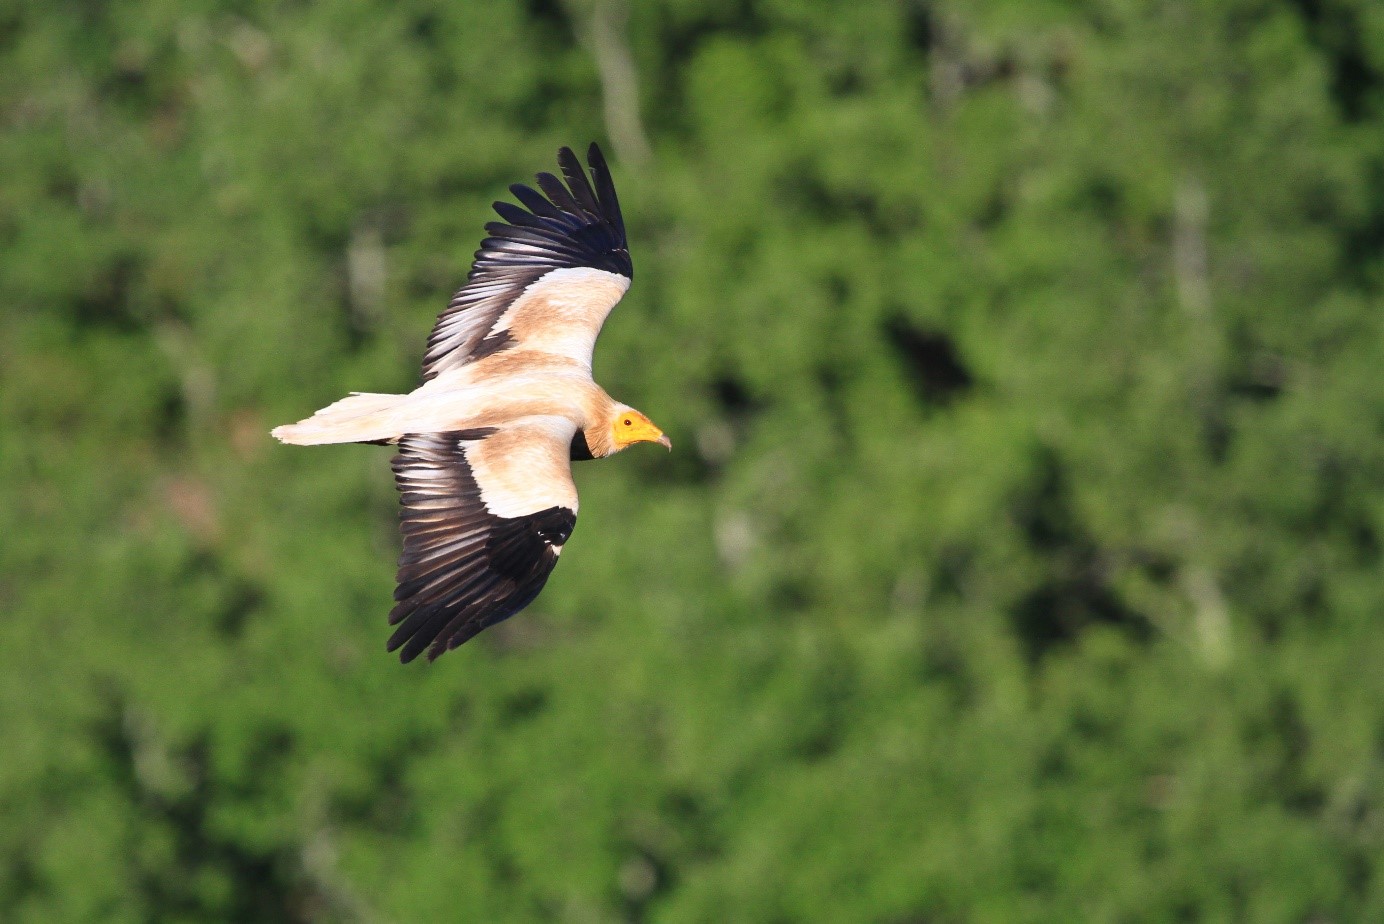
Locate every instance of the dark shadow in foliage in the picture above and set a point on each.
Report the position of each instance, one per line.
(804, 192)
(942, 660)
(920, 29)
(1335, 28)
(168, 419)
(1215, 430)
(820, 732)
(240, 599)
(1075, 593)
(264, 884)
(107, 302)
(1364, 239)
(1357, 89)
(698, 828)
(930, 360)
(549, 14)
(680, 37)
(1286, 732)
(425, 28)
(831, 383)
(144, 87)
(385, 803)
(644, 876)
(733, 398)
(1253, 374)
(942, 666)
(523, 705)
(483, 827)
(1341, 508)
(20, 878)
(1104, 196)
(733, 404)
(681, 40)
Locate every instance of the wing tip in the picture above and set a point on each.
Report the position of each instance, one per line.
(551, 227)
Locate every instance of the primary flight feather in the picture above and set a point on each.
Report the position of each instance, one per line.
(507, 401)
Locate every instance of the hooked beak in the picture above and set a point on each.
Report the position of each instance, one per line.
(665, 442)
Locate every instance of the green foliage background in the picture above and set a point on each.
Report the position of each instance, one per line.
(1019, 558)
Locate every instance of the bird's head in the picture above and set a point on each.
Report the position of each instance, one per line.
(628, 427)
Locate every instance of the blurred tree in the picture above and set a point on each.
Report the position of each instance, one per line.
(1019, 560)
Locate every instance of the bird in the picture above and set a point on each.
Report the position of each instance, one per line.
(507, 402)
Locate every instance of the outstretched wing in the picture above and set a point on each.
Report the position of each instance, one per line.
(547, 276)
(485, 515)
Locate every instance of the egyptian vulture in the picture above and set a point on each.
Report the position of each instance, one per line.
(507, 401)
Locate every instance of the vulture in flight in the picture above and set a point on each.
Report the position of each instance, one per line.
(506, 403)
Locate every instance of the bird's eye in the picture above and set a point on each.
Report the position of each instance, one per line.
(628, 422)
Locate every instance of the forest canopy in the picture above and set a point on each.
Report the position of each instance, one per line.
(1019, 559)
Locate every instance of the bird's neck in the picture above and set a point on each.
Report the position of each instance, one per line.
(600, 411)
(598, 441)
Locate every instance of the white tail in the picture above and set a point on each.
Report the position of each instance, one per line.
(361, 418)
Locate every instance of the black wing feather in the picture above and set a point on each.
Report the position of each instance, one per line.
(516, 217)
(552, 188)
(534, 201)
(462, 568)
(577, 181)
(566, 225)
(609, 203)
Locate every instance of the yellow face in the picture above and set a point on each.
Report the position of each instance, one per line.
(632, 427)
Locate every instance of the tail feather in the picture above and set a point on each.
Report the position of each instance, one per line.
(361, 418)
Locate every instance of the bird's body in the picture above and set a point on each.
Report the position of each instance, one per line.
(491, 392)
(485, 442)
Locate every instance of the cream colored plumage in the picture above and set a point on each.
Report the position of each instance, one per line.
(485, 443)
